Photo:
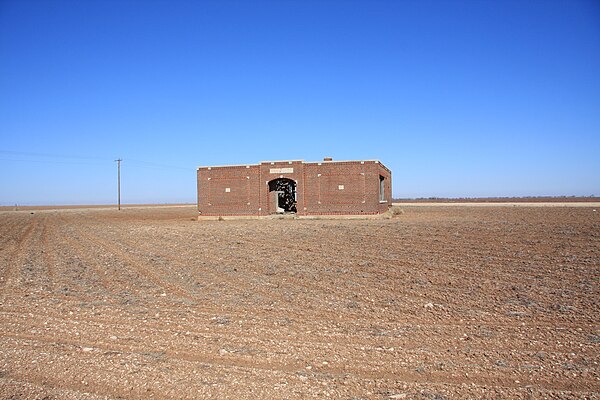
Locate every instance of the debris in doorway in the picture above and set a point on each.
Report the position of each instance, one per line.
(286, 189)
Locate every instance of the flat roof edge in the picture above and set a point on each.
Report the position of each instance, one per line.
(341, 161)
(290, 161)
(281, 161)
(227, 166)
(350, 161)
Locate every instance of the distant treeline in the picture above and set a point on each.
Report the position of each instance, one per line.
(524, 199)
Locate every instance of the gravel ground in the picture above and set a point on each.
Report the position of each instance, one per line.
(438, 303)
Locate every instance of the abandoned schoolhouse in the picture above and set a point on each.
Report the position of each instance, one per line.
(300, 188)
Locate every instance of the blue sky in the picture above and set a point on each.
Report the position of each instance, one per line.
(457, 98)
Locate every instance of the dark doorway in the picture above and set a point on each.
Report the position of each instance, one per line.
(285, 200)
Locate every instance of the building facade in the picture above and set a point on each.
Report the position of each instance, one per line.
(295, 187)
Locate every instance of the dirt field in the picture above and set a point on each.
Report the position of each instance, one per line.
(503, 200)
(439, 303)
(588, 204)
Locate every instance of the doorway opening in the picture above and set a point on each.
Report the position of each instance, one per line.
(282, 196)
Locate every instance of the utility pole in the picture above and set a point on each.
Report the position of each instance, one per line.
(119, 180)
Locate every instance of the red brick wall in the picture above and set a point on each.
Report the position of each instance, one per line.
(348, 187)
(228, 190)
(328, 187)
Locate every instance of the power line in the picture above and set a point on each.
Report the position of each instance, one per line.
(24, 153)
(139, 163)
(155, 165)
(53, 162)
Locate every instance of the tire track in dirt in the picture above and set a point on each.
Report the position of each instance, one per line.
(257, 275)
(36, 271)
(439, 256)
(297, 280)
(216, 277)
(211, 314)
(9, 242)
(37, 386)
(12, 229)
(133, 263)
(354, 369)
(472, 304)
(68, 390)
(117, 285)
(269, 272)
(301, 273)
(265, 337)
(80, 271)
(9, 229)
(345, 249)
(48, 255)
(388, 266)
(17, 257)
(219, 311)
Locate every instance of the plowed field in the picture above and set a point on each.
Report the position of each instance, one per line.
(438, 303)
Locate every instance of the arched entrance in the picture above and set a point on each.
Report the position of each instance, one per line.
(282, 196)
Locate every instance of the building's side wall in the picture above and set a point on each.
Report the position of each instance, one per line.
(387, 194)
(350, 187)
(228, 190)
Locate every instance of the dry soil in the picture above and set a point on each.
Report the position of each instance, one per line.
(438, 303)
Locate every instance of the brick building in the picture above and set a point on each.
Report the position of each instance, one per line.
(304, 188)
